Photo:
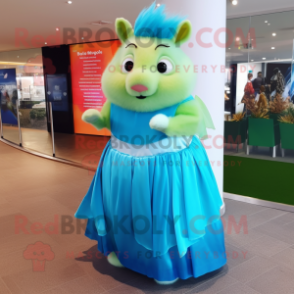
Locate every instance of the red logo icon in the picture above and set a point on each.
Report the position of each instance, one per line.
(39, 253)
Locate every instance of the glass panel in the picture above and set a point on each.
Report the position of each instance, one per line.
(273, 41)
(9, 99)
(271, 57)
(237, 68)
(269, 46)
(80, 148)
(272, 51)
(28, 66)
(237, 55)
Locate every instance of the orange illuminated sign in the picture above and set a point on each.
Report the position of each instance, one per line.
(88, 62)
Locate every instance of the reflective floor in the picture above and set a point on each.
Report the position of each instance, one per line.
(11, 133)
(38, 198)
(81, 149)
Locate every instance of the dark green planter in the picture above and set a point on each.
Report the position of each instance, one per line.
(236, 131)
(287, 135)
(263, 132)
(275, 117)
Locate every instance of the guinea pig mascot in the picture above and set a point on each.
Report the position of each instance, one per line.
(154, 205)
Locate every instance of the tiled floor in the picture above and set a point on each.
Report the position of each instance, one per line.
(42, 191)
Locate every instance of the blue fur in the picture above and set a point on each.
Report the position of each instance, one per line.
(153, 22)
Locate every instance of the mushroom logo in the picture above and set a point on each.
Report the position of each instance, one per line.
(39, 253)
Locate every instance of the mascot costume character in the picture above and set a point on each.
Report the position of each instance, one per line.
(154, 205)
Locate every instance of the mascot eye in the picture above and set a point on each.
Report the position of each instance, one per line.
(164, 66)
(128, 65)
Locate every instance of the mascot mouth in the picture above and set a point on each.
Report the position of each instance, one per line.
(141, 97)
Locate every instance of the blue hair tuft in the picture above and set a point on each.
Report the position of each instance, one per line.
(153, 22)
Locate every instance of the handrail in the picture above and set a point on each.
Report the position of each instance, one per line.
(52, 128)
(18, 124)
(1, 129)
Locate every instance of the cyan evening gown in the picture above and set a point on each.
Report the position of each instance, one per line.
(154, 201)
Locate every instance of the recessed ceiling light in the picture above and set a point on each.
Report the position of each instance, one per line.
(273, 48)
(17, 56)
(158, 4)
(57, 29)
(82, 38)
(229, 48)
(45, 43)
(268, 24)
(266, 21)
(234, 2)
(69, 2)
(237, 39)
(263, 58)
(274, 34)
(252, 59)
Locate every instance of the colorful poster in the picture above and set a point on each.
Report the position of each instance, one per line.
(8, 93)
(88, 62)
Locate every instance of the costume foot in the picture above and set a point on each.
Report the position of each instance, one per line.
(113, 260)
(165, 282)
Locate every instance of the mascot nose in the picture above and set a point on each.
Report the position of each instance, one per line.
(139, 88)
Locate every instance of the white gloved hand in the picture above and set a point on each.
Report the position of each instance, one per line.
(159, 122)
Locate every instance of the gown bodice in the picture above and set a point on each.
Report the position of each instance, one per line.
(133, 127)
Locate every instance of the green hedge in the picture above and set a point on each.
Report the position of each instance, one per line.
(38, 113)
(261, 179)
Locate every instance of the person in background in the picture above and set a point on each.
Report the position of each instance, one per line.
(277, 83)
(258, 82)
(14, 97)
(248, 92)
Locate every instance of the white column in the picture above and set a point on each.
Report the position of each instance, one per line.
(209, 55)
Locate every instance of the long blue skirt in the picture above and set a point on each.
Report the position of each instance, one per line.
(160, 214)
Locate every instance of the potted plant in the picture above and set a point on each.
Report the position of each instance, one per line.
(41, 113)
(236, 130)
(277, 107)
(37, 114)
(262, 130)
(287, 129)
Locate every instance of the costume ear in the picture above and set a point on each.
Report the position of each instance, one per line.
(183, 33)
(123, 29)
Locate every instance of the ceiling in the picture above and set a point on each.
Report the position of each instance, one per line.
(41, 18)
(263, 27)
(258, 7)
